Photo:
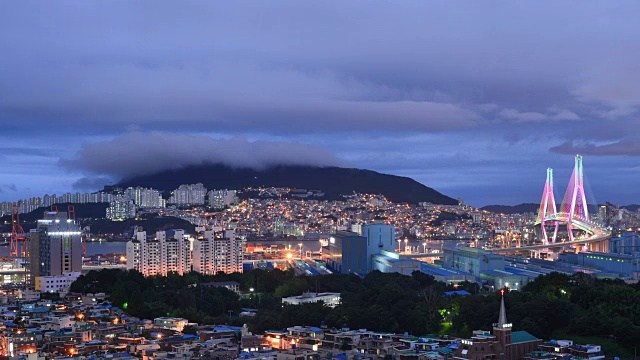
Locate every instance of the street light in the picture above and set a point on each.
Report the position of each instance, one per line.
(424, 247)
(300, 244)
(399, 242)
(406, 242)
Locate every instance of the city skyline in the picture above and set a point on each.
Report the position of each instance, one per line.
(473, 102)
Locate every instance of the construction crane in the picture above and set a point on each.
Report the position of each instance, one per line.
(18, 244)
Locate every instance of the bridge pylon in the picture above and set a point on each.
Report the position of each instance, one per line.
(574, 203)
(548, 214)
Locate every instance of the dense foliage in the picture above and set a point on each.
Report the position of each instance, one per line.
(378, 301)
(416, 304)
(558, 303)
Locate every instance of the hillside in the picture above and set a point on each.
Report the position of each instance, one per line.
(333, 181)
(512, 209)
(28, 220)
(92, 215)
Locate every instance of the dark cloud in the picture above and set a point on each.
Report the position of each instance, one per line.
(392, 86)
(627, 146)
(8, 187)
(144, 153)
(92, 183)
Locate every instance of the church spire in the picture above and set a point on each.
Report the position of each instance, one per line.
(502, 321)
(503, 312)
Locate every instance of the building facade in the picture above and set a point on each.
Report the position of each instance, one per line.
(121, 208)
(191, 194)
(218, 251)
(167, 252)
(145, 197)
(55, 246)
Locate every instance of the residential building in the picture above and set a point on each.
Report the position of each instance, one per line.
(167, 252)
(170, 323)
(57, 283)
(145, 197)
(218, 251)
(219, 199)
(121, 208)
(186, 195)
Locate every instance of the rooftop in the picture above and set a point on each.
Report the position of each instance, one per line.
(522, 336)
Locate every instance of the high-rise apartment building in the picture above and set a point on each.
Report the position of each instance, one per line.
(219, 199)
(218, 251)
(145, 198)
(192, 194)
(120, 208)
(167, 252)
(55, 246)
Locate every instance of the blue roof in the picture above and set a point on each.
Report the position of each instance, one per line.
(457, 292)
(189, 336)
(342, 356)
(316, 329)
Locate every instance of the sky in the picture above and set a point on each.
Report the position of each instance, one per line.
(474, 99)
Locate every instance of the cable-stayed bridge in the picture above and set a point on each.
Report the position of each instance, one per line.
(574, 213)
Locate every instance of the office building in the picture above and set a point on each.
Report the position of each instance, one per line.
(218, 251)
(55, 246)
(167, 252)
(121, 208)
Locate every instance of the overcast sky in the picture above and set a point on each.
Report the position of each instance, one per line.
(475, 99)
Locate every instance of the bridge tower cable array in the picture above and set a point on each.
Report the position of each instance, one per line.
(574, 204)
(548, 210)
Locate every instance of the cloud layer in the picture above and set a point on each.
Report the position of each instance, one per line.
(139, 153)
(500, 93)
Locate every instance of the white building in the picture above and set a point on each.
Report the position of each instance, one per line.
(176, 324)
(145, 198)
(219, 199)
(167, 252)
(192, 194)
(58, 283)
(218, 251)
(121, 207)
(329, 299)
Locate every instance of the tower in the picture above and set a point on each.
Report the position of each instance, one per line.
(55, 246)
(502, 329)
(548, 209)
(574, 204)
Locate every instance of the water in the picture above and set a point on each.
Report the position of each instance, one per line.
(93, 248)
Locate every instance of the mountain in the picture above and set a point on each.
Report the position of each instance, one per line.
(515, 209)
(333, 181)
(28, 220)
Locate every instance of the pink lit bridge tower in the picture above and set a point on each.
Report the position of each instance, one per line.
(574, 204)
(548, 214)
(573, 210)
